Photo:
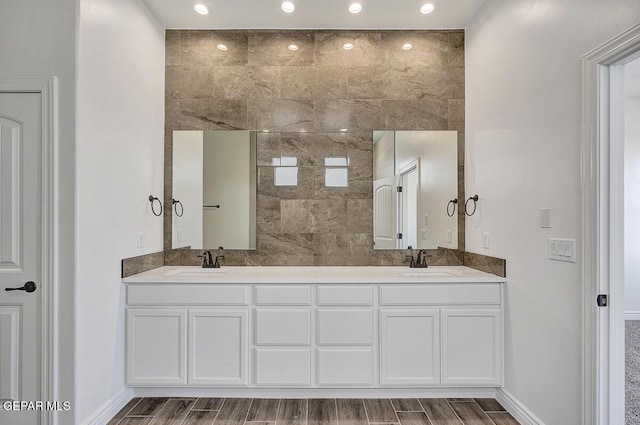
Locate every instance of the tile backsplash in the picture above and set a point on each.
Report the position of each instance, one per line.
(302, 101)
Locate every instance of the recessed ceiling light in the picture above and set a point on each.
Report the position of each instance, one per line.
(222, 47)
(292, 47)
(201, 9)
(427, 8)
(407, 46)
(347, 46)
(288, 7)
(355, 8)
(344, 129)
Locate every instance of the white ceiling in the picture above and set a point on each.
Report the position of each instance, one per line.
(314, 14)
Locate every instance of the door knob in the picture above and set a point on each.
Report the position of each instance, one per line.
(28, 287)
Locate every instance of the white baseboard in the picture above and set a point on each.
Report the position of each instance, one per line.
(632, 315)
(317, 392)
(110, 408)
(517, 409)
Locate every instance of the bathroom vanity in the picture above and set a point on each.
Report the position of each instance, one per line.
(314, 327)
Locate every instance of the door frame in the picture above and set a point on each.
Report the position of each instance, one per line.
(602, 231)
(46, 87)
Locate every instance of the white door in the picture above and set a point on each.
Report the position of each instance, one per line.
(20, 253)
(385, 213)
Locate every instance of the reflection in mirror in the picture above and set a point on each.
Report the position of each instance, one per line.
(415, 175)
(214, 188)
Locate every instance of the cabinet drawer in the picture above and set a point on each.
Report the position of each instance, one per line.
(283, 367)
(439, 294)
(282, 327)
(345, 327)
(187, 295)
(348, 367)
(345, 295)
(283, 295)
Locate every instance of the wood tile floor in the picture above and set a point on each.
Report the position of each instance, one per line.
(246, 411)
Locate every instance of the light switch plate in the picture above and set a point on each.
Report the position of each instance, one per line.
(449, 236)
(179, 235)
(140, 239)
(545, 218)
(562, 249)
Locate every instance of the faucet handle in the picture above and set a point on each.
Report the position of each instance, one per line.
(204, 259)
(410, 258)
(216, 265)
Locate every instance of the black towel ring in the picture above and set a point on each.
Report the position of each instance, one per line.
(153, 199)
(475, 205)
(175, 207)
(453, 202)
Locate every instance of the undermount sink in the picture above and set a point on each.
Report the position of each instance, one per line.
(427, 272)
(196, 272)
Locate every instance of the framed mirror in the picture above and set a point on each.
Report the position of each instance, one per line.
(214, 190)
(415, 189)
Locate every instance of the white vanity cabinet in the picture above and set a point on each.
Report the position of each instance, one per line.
(316, 333)
(200, 340)
(282, 335)
(345, 335)
(441, 334)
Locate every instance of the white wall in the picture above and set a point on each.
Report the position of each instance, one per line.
(632, 205)
(383, 155)
(523, 91)
(119, 163)
(187, 188)
(38, 39)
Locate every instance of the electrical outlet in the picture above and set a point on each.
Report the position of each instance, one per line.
(423, 234)
(562, 249)
(179, 235)
(426, 220)
(140, 239)
(449, 236)
(485, 240)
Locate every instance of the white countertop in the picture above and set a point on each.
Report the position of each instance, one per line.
(317, 274)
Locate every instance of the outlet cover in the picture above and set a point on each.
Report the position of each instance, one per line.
(485, 240)
(140, 239)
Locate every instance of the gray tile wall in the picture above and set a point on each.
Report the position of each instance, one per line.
(304, 99)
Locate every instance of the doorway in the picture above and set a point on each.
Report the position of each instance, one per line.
(603, 229)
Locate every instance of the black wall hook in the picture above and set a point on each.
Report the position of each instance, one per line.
(175, 207)
(453, 202)
(153, 199)
(474, 198)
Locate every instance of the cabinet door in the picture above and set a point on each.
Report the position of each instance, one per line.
(156, 346)
(472, 347)
(409, 347)
(218, 347)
